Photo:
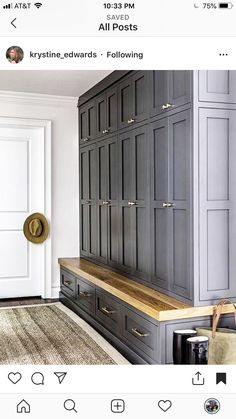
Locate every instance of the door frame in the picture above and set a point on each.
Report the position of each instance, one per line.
(45, 126)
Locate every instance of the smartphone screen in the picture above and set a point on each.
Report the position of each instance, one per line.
(117, 209)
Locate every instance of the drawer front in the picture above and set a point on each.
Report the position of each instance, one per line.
(68, 283)
(108, 311)
(85, 296)
(139, 333)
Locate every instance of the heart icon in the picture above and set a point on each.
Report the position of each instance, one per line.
(164, 405)
(14, 377)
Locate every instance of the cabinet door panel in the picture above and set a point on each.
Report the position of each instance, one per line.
(92, 173)
(84, 229)
(159, 162)
(217, 128)
(112, 110)
(179, 195)
(161, 247)
(84, 174)
(141, 243)
(102, 171)
(126, 105)
(158, 91)
(83, 123)
(217, 86)
(92, 123)
(113, 234)
(140, 87)
(126, 254)
(179, 87)
(102, 232)
(92, 230)
(101, 114)
(125, 145)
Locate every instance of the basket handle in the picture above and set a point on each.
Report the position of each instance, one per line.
(217, 310)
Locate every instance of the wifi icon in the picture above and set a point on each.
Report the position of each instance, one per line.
(38, 5)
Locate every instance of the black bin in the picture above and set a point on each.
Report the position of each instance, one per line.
(197, 350)
(179, 344)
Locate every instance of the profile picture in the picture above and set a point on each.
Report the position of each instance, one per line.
(15, 54)
(212, 406)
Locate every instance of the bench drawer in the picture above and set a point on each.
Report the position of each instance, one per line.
(68, 282)
(139, 333)
(108, 311)
(85, 296)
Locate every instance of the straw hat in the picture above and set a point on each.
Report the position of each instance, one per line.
(36, 228)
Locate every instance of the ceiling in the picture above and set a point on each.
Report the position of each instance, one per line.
(51, 82)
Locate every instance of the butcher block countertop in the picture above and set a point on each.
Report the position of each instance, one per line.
(151, 302)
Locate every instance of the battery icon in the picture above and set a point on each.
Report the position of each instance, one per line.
(225, 5)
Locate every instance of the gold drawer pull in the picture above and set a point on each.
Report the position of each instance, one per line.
(107, 311)
(105, 202)
(85, 294)
(166, 106)
(131, 204)
(131, 121)
(67, 283)
(165, 204)
(170, 204)
(139, 334)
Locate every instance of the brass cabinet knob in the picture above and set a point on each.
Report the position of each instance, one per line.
(165, 204)
(85, 294)
(85, 139)
(105, 202)
(138, 333)
(107, 311)
(170, 204)
(131, 121)
(166, 106)
(68, 283)
(88, 201)
(131, 203)
(105, 131)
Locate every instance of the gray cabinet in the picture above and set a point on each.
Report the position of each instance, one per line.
(169, 90)
(134, 246)
(158, 195)
(217, 86)
(170, 203)
(88, 194)
(107, 112)
(87, 123)
(217, 203)
(107, 207)
(132, 99)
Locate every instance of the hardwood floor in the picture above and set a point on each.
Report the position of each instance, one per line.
(25, 301)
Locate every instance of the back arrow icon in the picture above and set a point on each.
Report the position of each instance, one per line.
(12, 22)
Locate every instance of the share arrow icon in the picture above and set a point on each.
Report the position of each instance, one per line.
(60, 376)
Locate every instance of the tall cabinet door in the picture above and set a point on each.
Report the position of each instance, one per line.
(134, 250)
(132, 99)
(217, 203)
(169, 90)
(87, 122)
(107, 112)
(170, 203)
(160, 216)
(107, 216)
(179, 202)
(88, 179)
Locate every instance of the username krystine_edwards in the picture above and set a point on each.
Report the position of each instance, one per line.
(120, 54)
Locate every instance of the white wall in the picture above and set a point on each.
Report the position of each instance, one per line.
(65, 198)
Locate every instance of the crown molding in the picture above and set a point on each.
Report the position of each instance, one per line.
(38, 99)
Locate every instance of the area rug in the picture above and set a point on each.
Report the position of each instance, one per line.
(51, 335)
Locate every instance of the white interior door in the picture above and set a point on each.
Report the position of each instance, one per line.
(22, 192)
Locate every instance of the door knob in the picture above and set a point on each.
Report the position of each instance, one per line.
(166, 106)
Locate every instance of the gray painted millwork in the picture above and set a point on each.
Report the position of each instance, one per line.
(157, 181)
(142, 339)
